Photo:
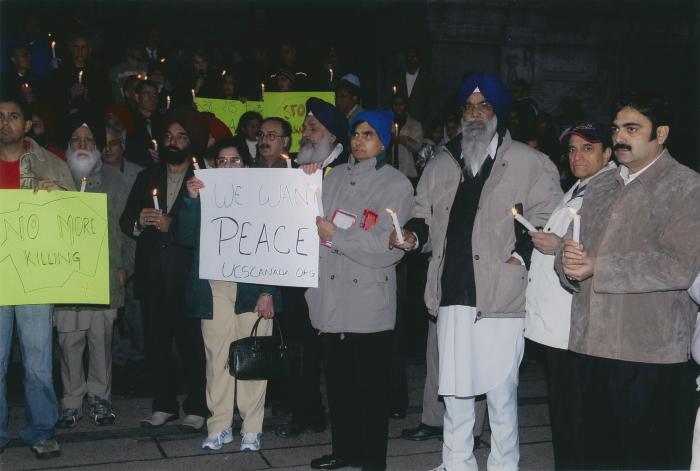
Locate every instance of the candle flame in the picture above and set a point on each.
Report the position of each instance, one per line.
(155, 192)
(138, 76)
(83, 179)
(154, 142)
(393, 89)
(162, 61)
(53, 44)
(194, 159)
(223, 72)
(194, 94)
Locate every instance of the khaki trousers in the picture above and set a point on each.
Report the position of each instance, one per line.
(94, 329)
(222, 388)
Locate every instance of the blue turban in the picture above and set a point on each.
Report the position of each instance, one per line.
(380, 121)
(493, 90)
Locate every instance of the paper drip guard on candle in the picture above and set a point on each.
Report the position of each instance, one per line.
(155, 198)
(518, 217)
(397, 226)
(577, 225)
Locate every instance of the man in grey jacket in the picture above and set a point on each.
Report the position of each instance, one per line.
(477, 276)
(632, 318)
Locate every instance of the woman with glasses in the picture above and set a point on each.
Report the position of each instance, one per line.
(228, 311)
(354, 306)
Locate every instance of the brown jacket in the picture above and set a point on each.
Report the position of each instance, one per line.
(520, 174)
(39, 164)
(646, 240)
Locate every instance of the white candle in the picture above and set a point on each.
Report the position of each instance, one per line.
(577, 225)
(167, 102)
(262, 89)
(194, 163)
(523, 221)
(83, 184)
(319, 200)
(155, 144)
(194, 94)
(80, 77)
(397, 226)
(396, 129)
(330, 71)
(53, 49)
(287, 160)
(155, 198)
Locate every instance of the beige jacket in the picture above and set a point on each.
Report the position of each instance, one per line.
(519, 174)
(39, 164)
(646, 240)
(413, 130)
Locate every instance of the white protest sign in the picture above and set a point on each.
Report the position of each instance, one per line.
(259, 226)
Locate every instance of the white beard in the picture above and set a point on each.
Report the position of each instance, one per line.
(81, 162)
(476, 137)
(310, 154)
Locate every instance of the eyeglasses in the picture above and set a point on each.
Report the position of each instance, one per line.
(480, 108)
(270, 136)
(365, 136)
(233, 162)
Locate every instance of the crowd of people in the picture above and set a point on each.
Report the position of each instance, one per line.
(577, 235)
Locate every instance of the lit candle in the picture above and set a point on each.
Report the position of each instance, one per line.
(83, 184)
(287, 160)
(194, 163)
(577, 225)
(223, 72)
(167, 102)
(394, 89)
(145, 77)
(330, 71)
(397, 226)
(194, 94)
(138, 76)
(80, 77)
(25, 88)
(523, 221)
(53, 49)
(396, 129)
(162, 61)
(155, 198)
(262, 88)
(155, 144)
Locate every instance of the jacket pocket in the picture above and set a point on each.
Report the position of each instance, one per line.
(509, 292)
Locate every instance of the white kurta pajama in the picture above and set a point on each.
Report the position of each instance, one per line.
(479, 358)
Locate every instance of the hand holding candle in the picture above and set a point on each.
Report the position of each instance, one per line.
(518, 217)
(397, 226)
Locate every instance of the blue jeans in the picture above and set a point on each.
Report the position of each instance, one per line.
(35, 334)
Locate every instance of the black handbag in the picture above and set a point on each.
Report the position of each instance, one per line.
(263, 357)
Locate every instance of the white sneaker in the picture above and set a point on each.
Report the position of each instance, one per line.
(215, 442)
(250, 442)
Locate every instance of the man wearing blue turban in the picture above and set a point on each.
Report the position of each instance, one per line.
(477, 276)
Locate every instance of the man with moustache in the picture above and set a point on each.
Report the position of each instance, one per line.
(274, 140)
(549, 305)
(161, 272)
(632, 317)
(476, 277)
(24, 164)
(81, 326)
(323, 146)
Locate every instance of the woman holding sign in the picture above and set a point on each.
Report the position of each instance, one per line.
(228, 311)
(354, 306)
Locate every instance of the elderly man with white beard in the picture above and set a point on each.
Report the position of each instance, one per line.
(92, 325)
(323, 146)
(477, 275)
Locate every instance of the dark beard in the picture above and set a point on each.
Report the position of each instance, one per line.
(174, 156)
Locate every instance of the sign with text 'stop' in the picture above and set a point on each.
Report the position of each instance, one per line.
(53, 248)
(259, 226)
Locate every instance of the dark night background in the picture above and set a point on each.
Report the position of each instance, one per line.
(592, 49)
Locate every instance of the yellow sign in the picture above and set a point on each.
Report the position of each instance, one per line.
(228, 111)
(292, 107)
(53, 248)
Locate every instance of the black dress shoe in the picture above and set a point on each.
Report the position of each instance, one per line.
(329, 462)
(294, 429)
(422, 432)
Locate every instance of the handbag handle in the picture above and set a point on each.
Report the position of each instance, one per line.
(254, 331)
